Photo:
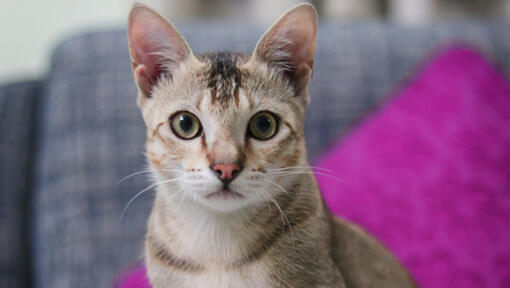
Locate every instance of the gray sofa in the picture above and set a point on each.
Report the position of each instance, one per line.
(68, 139)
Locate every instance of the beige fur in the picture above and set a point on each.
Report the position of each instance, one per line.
(278, 233)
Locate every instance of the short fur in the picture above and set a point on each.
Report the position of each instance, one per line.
(280, 233)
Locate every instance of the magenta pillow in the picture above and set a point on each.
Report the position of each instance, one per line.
(134, 277)
(429, 174)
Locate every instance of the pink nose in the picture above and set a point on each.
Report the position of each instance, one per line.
(226, 172)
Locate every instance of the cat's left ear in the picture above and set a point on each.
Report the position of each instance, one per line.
(156, 48)
(289, 45)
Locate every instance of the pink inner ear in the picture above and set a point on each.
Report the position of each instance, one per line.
(155, 46)
(141, 57)
(145, 79)
(304, 46)
(146, 64)
(289, 45)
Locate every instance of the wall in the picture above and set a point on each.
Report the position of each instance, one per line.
(29, 29)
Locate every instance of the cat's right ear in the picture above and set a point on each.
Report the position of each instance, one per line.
(155, 46)
(289, 46)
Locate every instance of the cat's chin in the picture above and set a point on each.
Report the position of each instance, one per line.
(224, 194)
(224, 200)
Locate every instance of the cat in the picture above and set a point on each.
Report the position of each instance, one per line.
(237, 204)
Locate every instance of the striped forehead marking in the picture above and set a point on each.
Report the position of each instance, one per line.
(224, 76)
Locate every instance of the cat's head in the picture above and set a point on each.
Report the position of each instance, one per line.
(221, 126)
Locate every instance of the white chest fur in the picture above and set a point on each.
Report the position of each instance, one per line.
(250, 276)
(239, 278)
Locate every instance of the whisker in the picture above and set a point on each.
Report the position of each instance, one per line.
(267, 197)
(133, 174)
(264, 199)
(277, 185)
(180, 202)
(285, 219)
(301, 167)
(143, 191)
(194, 198)
(146, 171)
(173, 194)
(284, 173)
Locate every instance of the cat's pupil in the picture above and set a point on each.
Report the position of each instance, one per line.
(263, 124)
(185, 123)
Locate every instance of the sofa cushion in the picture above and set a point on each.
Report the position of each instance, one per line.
(92, 134)
(429, 174)
(17, 103)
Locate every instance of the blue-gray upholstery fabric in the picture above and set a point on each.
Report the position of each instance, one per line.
(91, 133)
(17, 103)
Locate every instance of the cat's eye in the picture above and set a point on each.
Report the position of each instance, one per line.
(263, 125)
(185, 125)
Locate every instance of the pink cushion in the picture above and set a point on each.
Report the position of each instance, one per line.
(429, 174)
(135, 277)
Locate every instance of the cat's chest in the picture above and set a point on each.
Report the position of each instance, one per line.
(254, 276)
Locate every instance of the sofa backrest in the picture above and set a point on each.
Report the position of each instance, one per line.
(17, 143)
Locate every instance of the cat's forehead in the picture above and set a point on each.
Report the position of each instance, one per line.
(223, 75)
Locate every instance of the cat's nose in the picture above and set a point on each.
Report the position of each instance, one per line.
(226, 172)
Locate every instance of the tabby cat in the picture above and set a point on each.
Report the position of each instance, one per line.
(237, 204)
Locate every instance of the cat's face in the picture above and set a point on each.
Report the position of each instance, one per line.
(221, 126)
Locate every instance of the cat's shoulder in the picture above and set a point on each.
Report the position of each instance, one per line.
(363, 260)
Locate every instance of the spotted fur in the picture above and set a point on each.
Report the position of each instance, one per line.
(278, 232)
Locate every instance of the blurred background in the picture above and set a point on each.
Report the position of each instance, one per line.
(30, 29)
(70, 129)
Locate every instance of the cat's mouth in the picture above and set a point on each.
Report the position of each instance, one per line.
(224, 194)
